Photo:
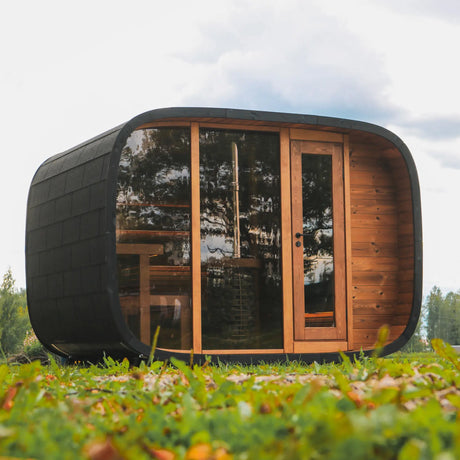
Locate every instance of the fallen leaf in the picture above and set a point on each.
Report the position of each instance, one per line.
(199, 452)
(161, 454)
(103, 450)
(8, 402)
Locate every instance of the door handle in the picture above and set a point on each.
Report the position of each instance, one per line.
(298, 234)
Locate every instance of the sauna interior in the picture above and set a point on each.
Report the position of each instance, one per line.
(240, 235)
(257, 237)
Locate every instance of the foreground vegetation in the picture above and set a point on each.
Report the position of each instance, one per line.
(401, 407)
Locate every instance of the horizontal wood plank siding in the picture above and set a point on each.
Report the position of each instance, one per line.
(405, 233)
(381, 243)
(368, 337)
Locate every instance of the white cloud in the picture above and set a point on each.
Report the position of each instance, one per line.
(448, 10)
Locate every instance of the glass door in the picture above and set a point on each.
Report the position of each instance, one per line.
(318, 242)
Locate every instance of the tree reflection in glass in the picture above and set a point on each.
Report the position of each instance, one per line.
(318, 240)
(240, 239)
(153, 221)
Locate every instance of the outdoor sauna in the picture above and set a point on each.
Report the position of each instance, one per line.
(240, 235)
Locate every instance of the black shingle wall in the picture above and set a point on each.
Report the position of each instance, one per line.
(67, 242)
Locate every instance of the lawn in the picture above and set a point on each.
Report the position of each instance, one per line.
(401, 407)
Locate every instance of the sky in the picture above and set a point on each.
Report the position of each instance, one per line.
(72, 70)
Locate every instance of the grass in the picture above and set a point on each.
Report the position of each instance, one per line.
(402, 407)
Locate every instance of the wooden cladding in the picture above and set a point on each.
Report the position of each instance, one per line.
(381, 243)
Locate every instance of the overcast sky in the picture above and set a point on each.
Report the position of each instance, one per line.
(69, 71)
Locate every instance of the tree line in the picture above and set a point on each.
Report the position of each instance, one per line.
(439, 318)
(14, 318)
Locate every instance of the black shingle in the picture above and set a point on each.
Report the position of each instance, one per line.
(74, 179)
(33, 218)
(90, 280)
(71, 159)
(52, 168)
(57, 186)
(81, 254)
(54, 235)
(98, 198)
(71, 230)
(80, 201)
(62, 258)
(47, 213)
(33, 265)
(93, 170)
(63, 207)
(98, 250)
(106, 165)
(89, 225)
(72, 285)
(105, 145)
(39, 193)
(55, 285)
(46, 263)
(36, 241)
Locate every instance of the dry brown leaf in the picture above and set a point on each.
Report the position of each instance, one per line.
(103, 450)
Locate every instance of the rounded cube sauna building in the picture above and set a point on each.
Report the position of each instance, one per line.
(242, 235)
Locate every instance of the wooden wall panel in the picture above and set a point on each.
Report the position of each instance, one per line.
(367, 337)
(374, 307)
(375, 228)
(405, 232)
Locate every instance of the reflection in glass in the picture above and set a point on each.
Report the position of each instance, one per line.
(128, 289)
(318, 253)
(153, 235)
(240, 240)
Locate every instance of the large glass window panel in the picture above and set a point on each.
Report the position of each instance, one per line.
(153, 230)
(240, 239)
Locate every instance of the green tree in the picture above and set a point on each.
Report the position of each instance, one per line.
(450, 318)
(14, 320)
(434, 305)
(443, 318)
(418, 342)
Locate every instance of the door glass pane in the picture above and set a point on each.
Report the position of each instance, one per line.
(240, 239)
(153, 235)
(318, 247)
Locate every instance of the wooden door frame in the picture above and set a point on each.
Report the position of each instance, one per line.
(336, 150)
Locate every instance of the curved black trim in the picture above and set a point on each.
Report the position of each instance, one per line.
(92, 323)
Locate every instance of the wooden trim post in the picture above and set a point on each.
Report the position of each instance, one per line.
(286, 236)
(195, 221)
(347, 210)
